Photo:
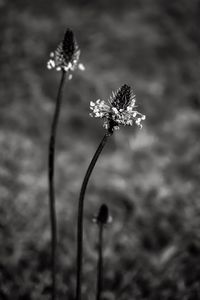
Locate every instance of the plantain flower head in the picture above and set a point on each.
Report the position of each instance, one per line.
(103, 216)
(66, 56)
(118, 110)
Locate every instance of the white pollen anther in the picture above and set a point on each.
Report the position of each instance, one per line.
(81, 67)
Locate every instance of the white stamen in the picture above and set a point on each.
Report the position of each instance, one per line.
(81, 67)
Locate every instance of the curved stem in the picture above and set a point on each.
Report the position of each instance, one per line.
(100, 263)
(80, 215)
(52, 207)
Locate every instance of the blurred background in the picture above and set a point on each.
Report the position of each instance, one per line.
(149, 178)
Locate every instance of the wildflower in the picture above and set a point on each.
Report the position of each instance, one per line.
(103, 216)
(102, 219)
(66, 56)
(119, 110)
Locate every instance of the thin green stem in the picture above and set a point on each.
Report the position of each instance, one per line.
(52, 208)
(100, 263)
(80, 215)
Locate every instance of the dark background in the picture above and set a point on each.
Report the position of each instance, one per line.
(149, 178)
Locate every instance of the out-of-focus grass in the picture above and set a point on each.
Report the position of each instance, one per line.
(149, 178)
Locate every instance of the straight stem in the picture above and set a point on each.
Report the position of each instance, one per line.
(100, 263)
(52, 208)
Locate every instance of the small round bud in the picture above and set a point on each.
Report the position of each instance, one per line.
(103, 216)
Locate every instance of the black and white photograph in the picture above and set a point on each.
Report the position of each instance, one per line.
(100, 150)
